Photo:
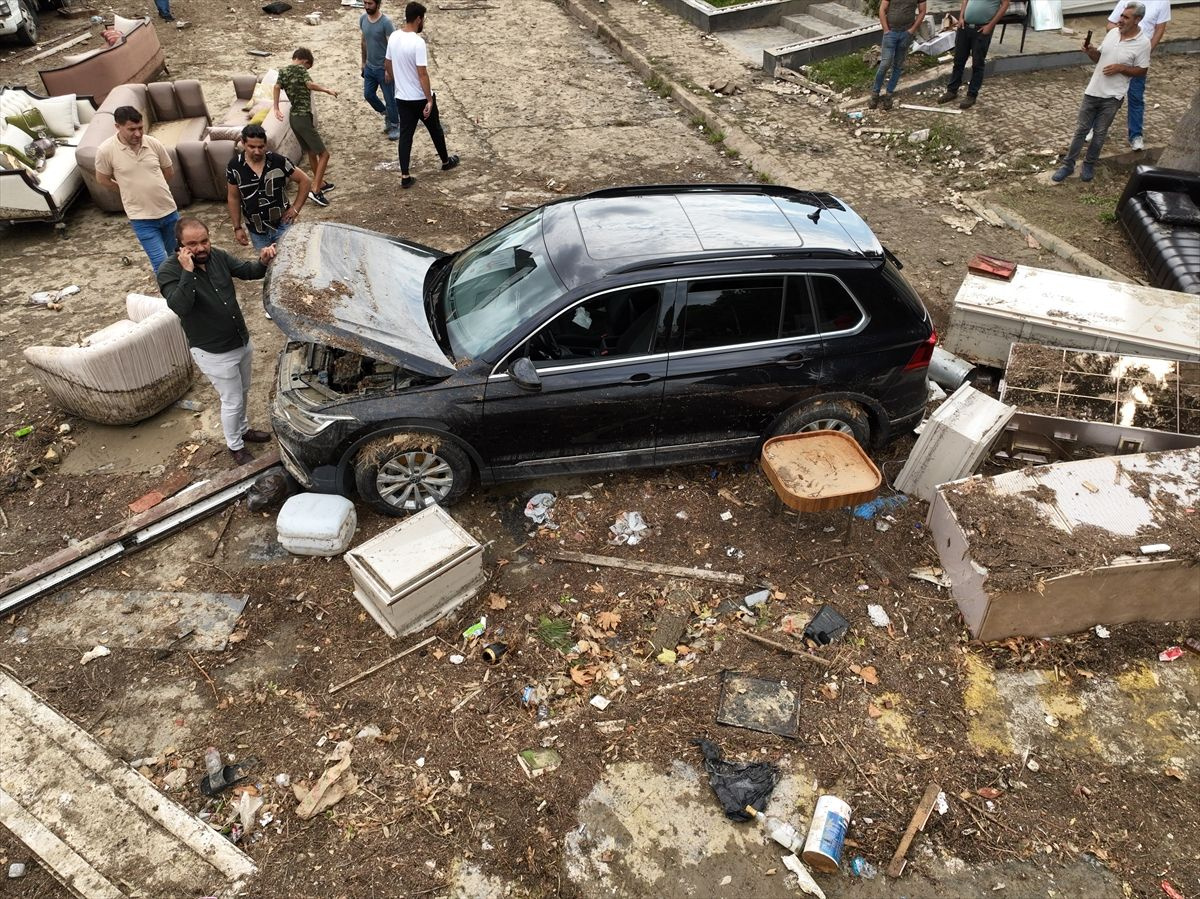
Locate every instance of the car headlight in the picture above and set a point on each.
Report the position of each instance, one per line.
(304, 421)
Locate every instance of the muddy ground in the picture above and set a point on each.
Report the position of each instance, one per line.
(536, 107)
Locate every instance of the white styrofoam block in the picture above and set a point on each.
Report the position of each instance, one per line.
(953, 441)
(316, 524)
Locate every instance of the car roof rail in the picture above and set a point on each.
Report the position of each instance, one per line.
(820, 199)
(756, 253)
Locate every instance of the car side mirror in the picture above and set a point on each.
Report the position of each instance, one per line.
(525, 375)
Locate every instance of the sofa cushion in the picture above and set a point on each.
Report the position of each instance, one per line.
(173, 133)
(60, 114)
(32, 123)
(61, 176)
(225, 132)
(1173, 207)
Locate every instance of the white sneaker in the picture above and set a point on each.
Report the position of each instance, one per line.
(1137, 143)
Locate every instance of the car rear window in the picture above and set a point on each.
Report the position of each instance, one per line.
(836, 309)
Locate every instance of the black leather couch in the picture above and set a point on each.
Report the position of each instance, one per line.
(1160, 211)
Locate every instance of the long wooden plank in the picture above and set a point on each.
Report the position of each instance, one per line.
(121, 532)
(700, 574)
(63, 46)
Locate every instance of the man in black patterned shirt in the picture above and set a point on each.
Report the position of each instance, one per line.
(257, 196)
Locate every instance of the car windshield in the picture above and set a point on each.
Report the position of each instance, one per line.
(494, 286)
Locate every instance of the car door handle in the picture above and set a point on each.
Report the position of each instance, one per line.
(793, 359)
(642, 377)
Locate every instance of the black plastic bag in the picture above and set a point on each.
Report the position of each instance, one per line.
(738, 784)
(277, 8)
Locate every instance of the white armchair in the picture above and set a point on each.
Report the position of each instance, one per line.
(123, 373)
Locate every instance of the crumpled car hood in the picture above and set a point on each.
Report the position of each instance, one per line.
(356, 290)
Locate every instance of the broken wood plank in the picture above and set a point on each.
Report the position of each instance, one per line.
(397, 657)
(63, 46)
(699, 574)
(140, 530)
(783, 72)
(920, 816)
(802, 653)
(456, 7)
(930, 109)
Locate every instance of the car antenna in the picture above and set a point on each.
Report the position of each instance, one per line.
(815, 215)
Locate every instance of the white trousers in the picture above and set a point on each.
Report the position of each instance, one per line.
(229, 374)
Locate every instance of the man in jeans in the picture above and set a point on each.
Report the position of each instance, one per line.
(376, 28)
(1124, 54)
(257, 196)
(976, 21)
(198, 286)
(900, 20)
(1154, 25)
(408, 72)
(138, 166)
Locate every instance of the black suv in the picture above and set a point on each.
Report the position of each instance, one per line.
(631, 327)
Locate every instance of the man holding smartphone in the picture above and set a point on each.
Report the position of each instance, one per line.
(1122, 55)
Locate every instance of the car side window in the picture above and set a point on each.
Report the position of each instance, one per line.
(729, 311)
(798, 318)
(611, 325)
(836, 309)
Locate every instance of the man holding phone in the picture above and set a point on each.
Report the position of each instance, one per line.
(1123, 54)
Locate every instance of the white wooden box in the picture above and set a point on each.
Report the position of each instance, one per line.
(416, 572)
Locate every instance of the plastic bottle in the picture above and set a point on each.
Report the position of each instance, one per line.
(216, 768)
(860, 867)
(780, 831)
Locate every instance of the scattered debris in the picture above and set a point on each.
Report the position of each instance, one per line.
(16, 870)
(601, 702)
(807, 884)
(757, 703)
(827, 834)
(97, 652)
(702, 574)
(335, 784)
(826, 626)
(51, 298)
(919, 137)
(628, 528)
(1102, 632)
(879, 616)
(756, 599)
(804, 654)
(536, 762)
(493, 652)
(1170, 654)
(540, 508)
(737, 785)
(388, 661)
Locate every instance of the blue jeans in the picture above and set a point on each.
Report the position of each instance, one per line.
(261, 241)
(164, 7)
(157, 237)
(373, 81)
(1096, 114)
(969, 42)
(1137, 105)
(892, 52)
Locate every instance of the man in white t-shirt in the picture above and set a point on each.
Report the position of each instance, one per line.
(408, 71)
(1124, 54)
(1154, 24)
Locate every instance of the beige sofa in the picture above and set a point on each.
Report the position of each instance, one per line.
(42, 196)
(123, 373)
(175, 112)
(136, 59)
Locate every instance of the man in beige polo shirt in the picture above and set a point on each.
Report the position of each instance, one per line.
(138, 166)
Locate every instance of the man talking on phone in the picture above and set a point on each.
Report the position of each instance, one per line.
(1123, 54)
(198, 285)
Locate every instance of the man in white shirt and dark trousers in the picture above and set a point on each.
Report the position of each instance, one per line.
(1124, 54)
(408, 71)
(1154, 24)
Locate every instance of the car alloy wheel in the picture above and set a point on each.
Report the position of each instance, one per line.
(407, 472)
(414, 480)
(843, 416)
(828, 424)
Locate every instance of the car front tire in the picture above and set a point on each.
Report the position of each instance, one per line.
(405, 473)
(27, 31)
(828, 415)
